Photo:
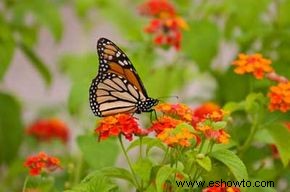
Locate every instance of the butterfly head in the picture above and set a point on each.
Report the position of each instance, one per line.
(146, 106)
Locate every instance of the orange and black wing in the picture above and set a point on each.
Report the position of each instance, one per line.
(117, 87)
(113, 60)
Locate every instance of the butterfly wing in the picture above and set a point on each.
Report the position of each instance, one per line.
(112, 59)
(117, 87)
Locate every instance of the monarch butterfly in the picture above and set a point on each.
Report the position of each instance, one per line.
(117, 88)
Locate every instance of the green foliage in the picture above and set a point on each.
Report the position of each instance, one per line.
(11, 128)
(233, 162)
(98, 154)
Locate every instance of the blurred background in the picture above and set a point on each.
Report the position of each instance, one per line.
(48, 60)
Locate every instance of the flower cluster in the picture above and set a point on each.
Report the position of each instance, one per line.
(280, 97)
(221, 189)
(202, 119)
(280, 94)
(179, 111)
(180, 136)
(219, 135)
(255, 64)
(165, 25)
(165, 122)
(49, 129)
(119, 124)
(41, 162)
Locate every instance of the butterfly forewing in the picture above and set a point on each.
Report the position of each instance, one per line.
(113, 59)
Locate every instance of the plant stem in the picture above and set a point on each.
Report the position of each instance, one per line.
(130, 164)
(249, 140)
(78, 170)
(140, 145)
(25, 183)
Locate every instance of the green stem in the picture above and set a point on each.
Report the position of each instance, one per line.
(130, 164)
(25, 183)
(78, 170)
(165, 155)
(249, 140)
(140, 145)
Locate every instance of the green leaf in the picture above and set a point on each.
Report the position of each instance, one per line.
(233, 162)
(200, 42)
(149, 141)
(98, 154)
(96, 182)
(162, 175)
(143, 169)
(119, 173)
(234, 106)
(281, 137)
(37, 63)
(7, 47)
(11, 128)
(204, 163)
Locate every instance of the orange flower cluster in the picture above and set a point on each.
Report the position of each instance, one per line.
(205, 111)
(280, 97)
(49, 129)
(219, 136)
(221, 189)
(200, 118)
(179, 111)
(119, 124)
(164, 122)
(180, 136)
(41, 162)
(255, 64)
(165, 25)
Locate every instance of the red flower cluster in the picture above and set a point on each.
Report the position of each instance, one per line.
(179, 111)
(41, 162)
(221, 189)
(280, 97)
(204, 111)
(165, 25)
(49, 129)
(119, 124)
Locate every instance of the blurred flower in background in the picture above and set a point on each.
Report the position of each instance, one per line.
(255, 64)
(41, 163)
(165, 26)
(221, 189)
(49, 129)
(280, 97)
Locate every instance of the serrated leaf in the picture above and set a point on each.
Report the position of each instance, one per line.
(11, 128)
(233, 162)
(98, 154)
(204, 163)
(281, 137)
(162, 175)
(37, 63)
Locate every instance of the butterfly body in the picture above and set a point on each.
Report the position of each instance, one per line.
(117, 87)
